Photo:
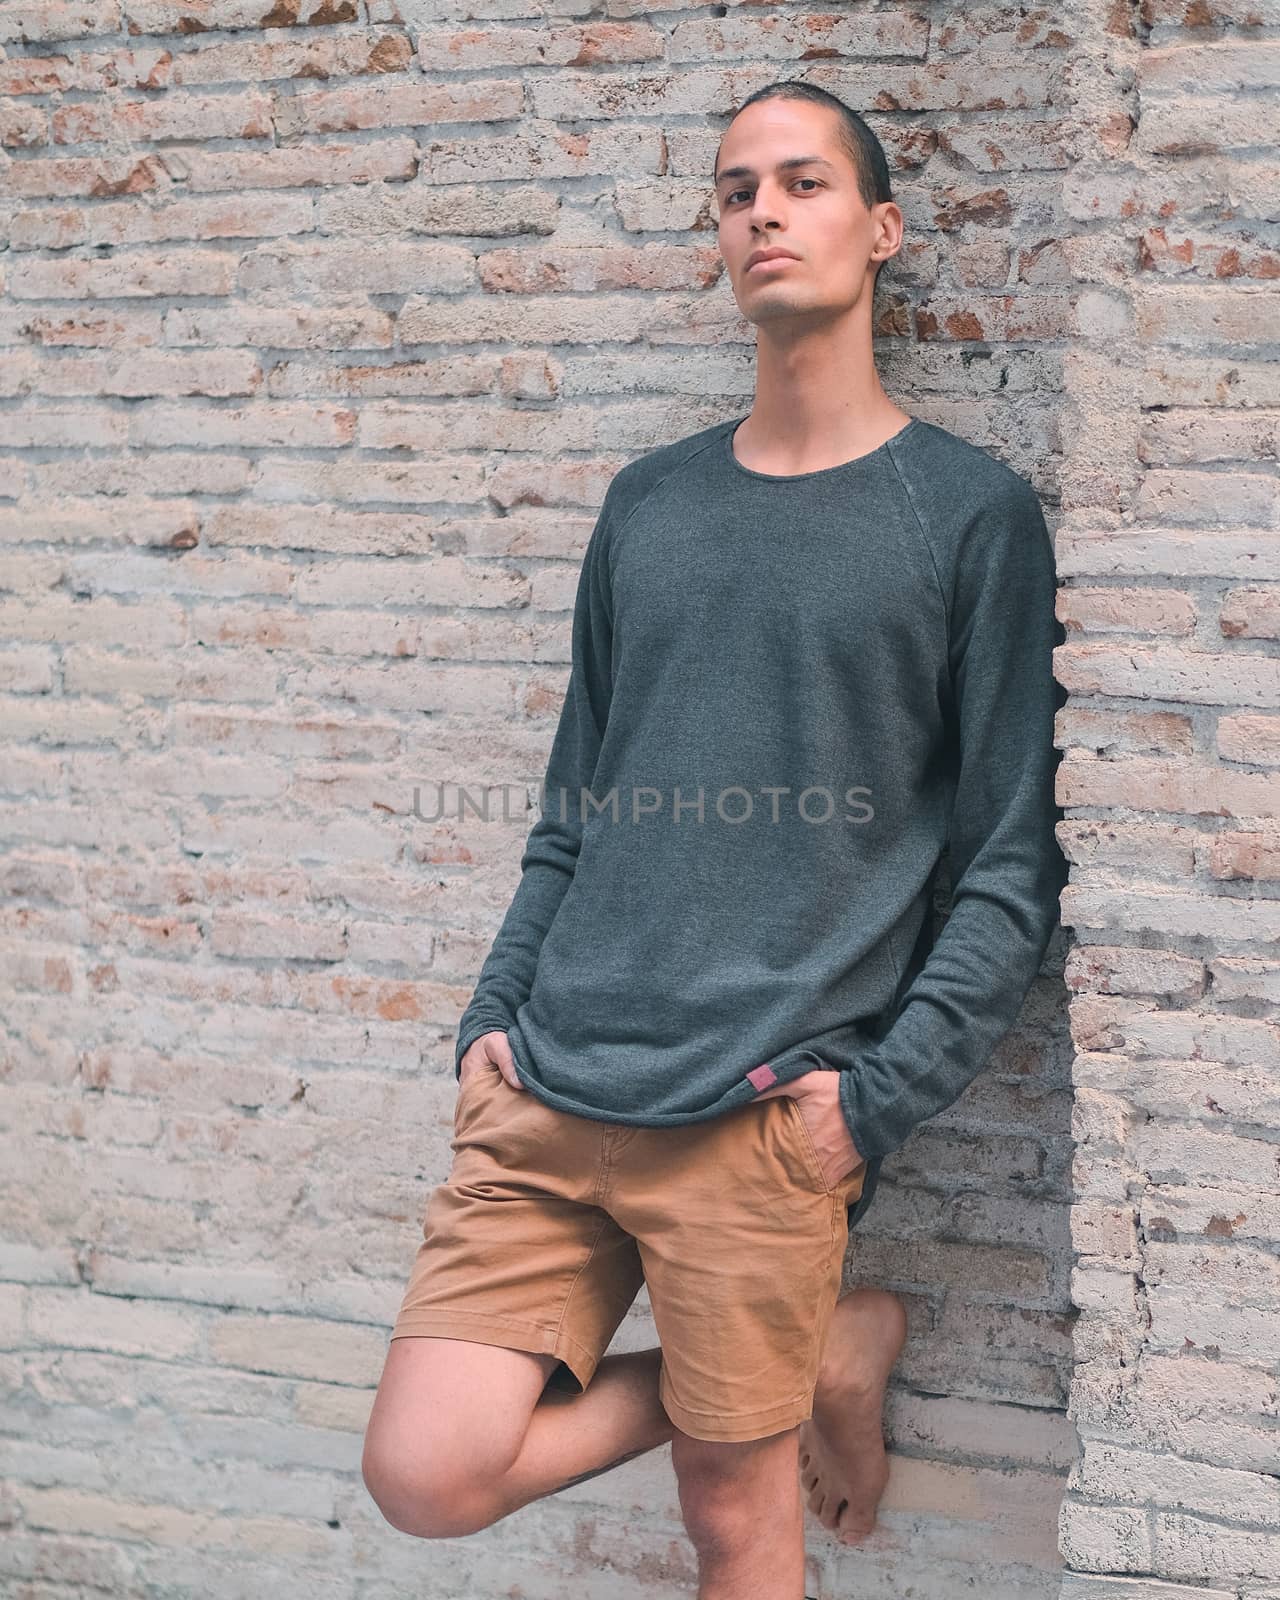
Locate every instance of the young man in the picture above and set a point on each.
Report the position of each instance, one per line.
(810, 647)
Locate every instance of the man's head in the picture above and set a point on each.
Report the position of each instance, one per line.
(833, 210)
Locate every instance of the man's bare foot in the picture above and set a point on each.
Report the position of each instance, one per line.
(843, 1465)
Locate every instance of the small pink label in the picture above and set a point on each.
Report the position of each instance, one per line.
(762, 1076)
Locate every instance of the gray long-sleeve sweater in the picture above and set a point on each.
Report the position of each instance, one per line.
(787, 696)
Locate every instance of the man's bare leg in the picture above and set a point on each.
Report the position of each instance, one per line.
(462, 1433)
(742, 1509)
(843, 1465)
(574, 1437)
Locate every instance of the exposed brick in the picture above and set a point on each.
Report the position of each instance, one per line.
(42, 21)
(1121, 969)
(1170, 674)
(1160, 611)
(178, 116)
(1255, 739)
(474, 49)
(390, 104)
(1250, 614)
(205, 16)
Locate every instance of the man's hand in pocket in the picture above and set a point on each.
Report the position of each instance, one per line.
(817, 1094)
(488, 1051)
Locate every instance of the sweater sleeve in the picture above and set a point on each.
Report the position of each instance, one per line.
(1007, 869)
(551, 849)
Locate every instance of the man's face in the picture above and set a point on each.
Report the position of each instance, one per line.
(812, 209)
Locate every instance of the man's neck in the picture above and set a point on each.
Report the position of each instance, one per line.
(781, 442)
(818, 401)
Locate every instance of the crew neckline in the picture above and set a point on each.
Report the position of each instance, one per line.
(868, 457)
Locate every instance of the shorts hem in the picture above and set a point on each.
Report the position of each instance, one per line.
(508, 1332)
(748, 1425)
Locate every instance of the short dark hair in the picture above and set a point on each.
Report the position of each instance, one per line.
(858, 141)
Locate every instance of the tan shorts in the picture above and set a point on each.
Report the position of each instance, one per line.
(548, 1223)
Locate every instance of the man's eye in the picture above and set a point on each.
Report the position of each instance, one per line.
(730, 198)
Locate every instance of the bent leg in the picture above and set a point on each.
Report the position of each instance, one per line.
(462, 1434)
(446, 1423)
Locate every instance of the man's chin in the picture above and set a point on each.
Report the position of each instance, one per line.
(766, 309)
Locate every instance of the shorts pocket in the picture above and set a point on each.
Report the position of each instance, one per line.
(810, 1151)
(468, 1084)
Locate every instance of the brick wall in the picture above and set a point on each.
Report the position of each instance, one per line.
(1168, 555)
(321, 333)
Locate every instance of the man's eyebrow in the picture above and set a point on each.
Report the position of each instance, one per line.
(783, 166)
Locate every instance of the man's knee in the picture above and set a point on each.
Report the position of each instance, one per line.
(420, 1496)
(726, 1488)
